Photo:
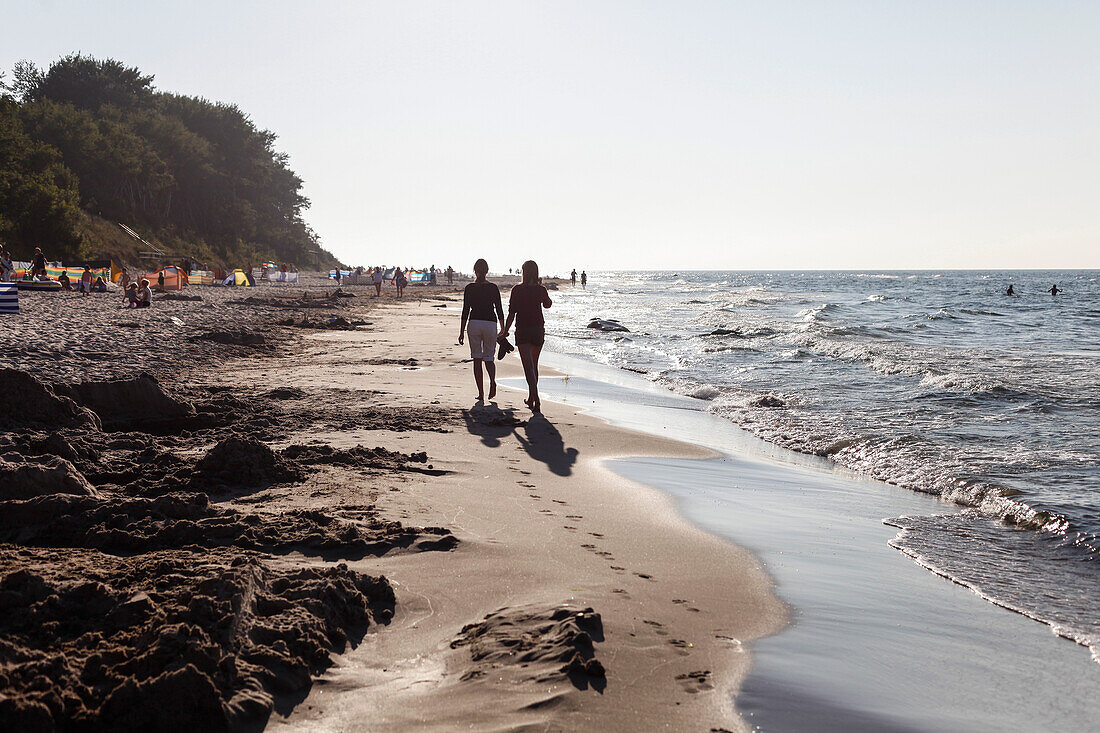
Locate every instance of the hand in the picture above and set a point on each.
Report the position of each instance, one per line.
(461, 336)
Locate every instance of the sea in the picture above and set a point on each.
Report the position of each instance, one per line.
(937, 382)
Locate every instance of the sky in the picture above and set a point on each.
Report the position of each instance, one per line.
(644, 135)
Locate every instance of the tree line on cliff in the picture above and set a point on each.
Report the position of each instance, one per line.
(90, 143)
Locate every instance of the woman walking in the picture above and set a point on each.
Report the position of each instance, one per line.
(525, 306)
(481, 311)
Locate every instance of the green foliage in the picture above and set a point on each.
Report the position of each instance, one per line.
(196, 176)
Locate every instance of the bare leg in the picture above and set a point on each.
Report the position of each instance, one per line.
(479, 380)
(525, 359)
(533, 378)
(491, 368)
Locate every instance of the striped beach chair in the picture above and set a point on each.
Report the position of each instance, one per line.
(9, 298)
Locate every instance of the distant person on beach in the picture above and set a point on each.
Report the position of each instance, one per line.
(1010, 291)
(573, 277)
(525, 306)
(124, 280)
(38, 264)
(376, 277)
(450, 275)
(7, 267)
(66, 285)
(431, 276)
(160, 280)
(144, 295)
(86, 281)
(584, 279)
(99, 286)
(400, 281)
(481, 311)
(1054, 290)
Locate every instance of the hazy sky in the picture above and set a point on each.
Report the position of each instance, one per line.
(647, 135)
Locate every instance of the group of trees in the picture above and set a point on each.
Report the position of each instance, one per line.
(94, 138)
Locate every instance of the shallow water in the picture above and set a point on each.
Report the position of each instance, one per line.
(876, 642)
(934, 381)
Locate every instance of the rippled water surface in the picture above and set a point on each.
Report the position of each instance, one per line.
(934, 381)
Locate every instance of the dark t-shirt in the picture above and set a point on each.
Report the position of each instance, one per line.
(38, 261)
(481, 302)
(527, 302)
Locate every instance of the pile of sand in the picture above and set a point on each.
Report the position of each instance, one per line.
(168, 641)
(536, 643)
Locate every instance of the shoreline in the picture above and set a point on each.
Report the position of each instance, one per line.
(876, 641)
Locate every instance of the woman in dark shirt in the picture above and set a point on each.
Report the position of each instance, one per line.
(525, 306)
(481, 309)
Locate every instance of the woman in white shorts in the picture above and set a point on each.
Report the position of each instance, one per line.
(481, 312)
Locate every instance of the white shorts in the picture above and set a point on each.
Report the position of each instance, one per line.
(483, 339)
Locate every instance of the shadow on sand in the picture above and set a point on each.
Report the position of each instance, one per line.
(539, 437)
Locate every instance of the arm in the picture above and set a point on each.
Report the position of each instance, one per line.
(546, 302)
(500, 309)
(465, 314)
(511, 314)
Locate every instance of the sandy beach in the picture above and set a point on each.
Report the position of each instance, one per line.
(316, 528)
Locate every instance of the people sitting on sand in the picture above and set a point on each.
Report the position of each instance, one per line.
(481, 311)
(132, 295)
(144, 295)
(525, 305)
(1010, 291)
(38, 264)
(86, 281)
(7, 267)
(66, 284)
(99, 286)
(1054, 290)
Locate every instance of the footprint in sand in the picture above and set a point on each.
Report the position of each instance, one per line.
(573, 516)
(558, 501)
(569, 527)
(697, 681)
(596, 535)
(617, 568)
(644, 576)
(682, 646)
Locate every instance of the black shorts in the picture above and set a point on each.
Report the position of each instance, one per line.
(532, 336)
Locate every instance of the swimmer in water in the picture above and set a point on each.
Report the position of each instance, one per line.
(1010, 291)
(1054, 290)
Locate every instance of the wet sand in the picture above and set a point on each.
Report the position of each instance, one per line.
(317, 528)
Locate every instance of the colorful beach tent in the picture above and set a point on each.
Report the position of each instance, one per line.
(201, 277)
(174, 277)
(238, 277)
(9, 298)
